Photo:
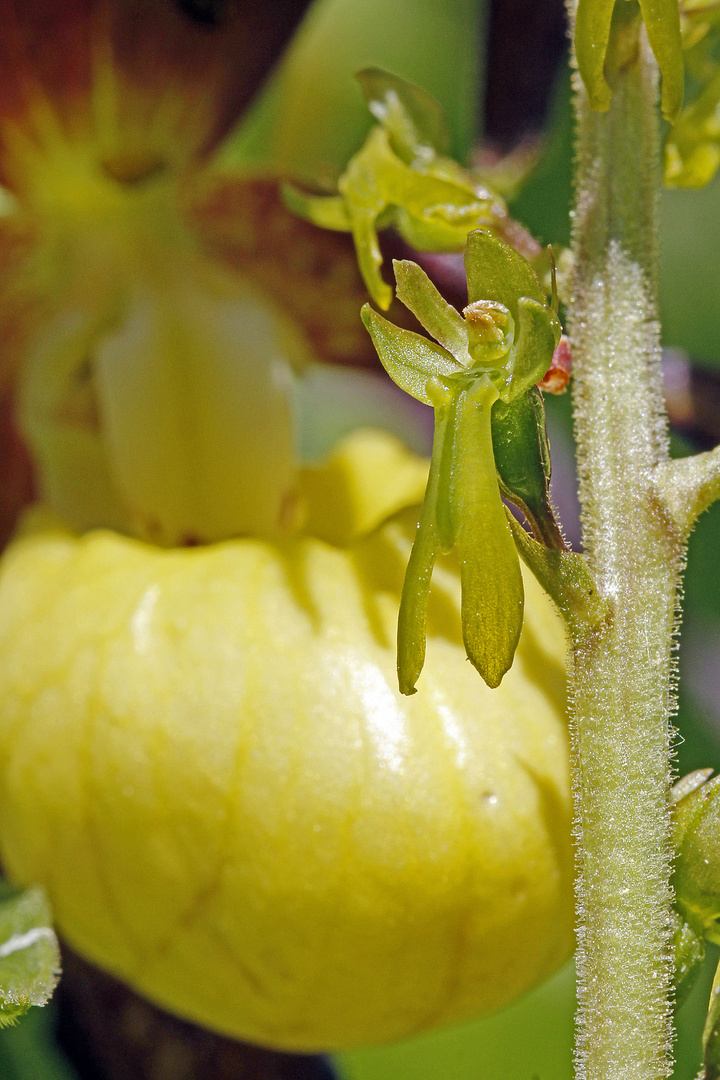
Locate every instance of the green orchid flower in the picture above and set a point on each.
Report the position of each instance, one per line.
(606, 37)
(494, 353)
(401, 177)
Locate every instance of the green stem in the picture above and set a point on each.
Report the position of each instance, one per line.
(621, 669)
(688, 486)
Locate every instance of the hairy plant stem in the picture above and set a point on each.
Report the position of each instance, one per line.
(622, 668)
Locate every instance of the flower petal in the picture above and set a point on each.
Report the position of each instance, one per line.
(409, 359)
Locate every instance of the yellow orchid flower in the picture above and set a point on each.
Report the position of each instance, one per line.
(203, 756)
(206, 761)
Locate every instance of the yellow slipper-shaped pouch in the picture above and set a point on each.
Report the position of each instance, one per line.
(205, 760)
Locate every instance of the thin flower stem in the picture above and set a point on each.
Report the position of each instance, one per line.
(622, 668)
(689, 486)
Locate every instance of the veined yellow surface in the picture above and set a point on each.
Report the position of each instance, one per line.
(205, 760)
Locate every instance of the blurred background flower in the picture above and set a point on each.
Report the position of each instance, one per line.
(201, 97)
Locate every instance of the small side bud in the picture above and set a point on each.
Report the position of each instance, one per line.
(556, 378)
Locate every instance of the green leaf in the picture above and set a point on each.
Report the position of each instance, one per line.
(490, 578)
(441, 320)
(593, 19)
(522, 460)
(495, 271)
(412, 117)
(29, 952)
(409, 359)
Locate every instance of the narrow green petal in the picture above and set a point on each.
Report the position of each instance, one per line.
(412, 617)
(495, 271)
(592, 34)
(662, 21)
(441, 320)
(492, 589)
(409, 359)
(327, 211)
(369, 257)
(412, 117)
(530, 357)
(445, 518)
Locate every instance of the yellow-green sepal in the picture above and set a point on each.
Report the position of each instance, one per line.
(662, 22)
(441, 320)
(598, 36)
(491, 582)
(325, 211)
(593, 19)
(409, 359)
(495, 271)
(412, 616)
(531, 354)
(412, 118)
(399, 177)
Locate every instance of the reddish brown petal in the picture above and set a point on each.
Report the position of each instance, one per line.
(44, 52)
(148, 81)
(311, 273)
(161, 45)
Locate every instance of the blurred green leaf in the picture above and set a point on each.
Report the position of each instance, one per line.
(28, 1051)
(543, 202)
(689, 281)
(29, 952)
(311, 118)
